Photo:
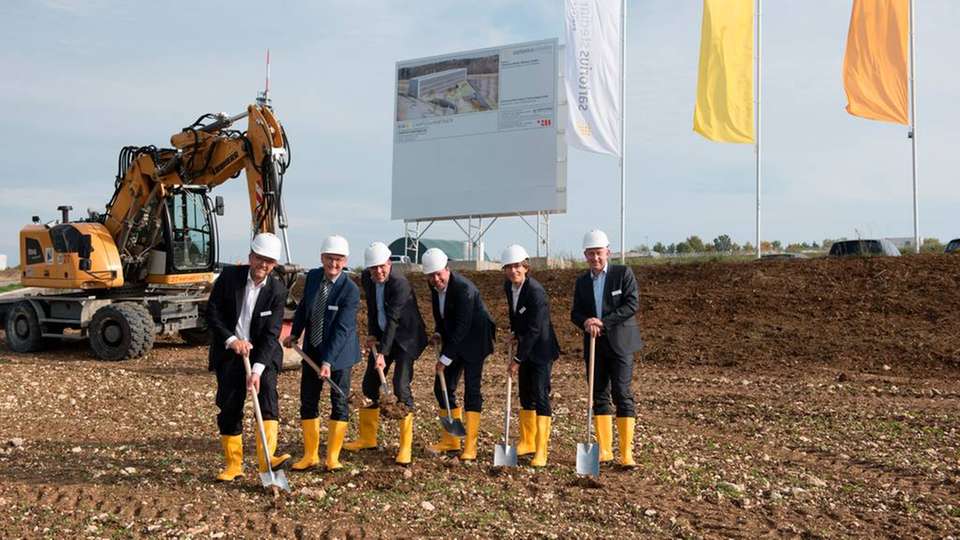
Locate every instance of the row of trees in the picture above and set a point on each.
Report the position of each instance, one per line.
(723, 244)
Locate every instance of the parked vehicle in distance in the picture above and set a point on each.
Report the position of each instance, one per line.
(864, 248)
(782, 256)
(402, 259)
(953, 246)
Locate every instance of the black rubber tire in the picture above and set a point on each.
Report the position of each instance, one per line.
(197, 337)
(151, 330)
(121, 331)
(24, 333)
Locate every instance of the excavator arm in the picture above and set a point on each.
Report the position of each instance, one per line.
(205, 154)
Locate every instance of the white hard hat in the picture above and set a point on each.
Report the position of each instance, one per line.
(433, 260)
(513, 254)
(376, 254)
(595, 239)
(267, 245)
(335, 245)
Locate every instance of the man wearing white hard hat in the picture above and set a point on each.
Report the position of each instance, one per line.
(466, 333)
(536, 348)
(244, 314)
(605, 304)
(397, 336)
(327, 319)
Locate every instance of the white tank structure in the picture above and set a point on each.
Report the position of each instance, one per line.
(3, 261)
(436, 83)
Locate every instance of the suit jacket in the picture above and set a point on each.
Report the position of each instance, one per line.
(620, 303)
(530, 322)
(467, 329)
(340, 346)
(405, 334)
(223, 311)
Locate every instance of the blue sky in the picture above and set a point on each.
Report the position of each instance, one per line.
(83, 79)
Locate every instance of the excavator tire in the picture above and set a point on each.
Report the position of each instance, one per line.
(121, 331)
(151, 330)
(24, 333)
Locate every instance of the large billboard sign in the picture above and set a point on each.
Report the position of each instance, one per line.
(475, 134)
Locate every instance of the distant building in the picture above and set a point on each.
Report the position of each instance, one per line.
(902, 242)
(3, 261)
(436, 83)
(455, 249)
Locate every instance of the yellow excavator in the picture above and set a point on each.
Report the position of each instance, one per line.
(144, 266)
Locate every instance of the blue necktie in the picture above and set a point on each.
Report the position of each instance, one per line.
(319, 310)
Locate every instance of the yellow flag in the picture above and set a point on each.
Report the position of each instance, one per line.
(724, 110)
(875, 64)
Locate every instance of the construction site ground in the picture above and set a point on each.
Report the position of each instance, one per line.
(812, 398)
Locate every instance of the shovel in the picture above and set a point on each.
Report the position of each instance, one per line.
(505, 455)
(272, 479)
(316, 368)
(588, 453)
(450, 424)
(384, 386)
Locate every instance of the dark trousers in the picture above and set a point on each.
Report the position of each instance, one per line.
(310, 387)
(612, 374)
(472, 372)
(402, 376)
(534, 386)
(232, 394)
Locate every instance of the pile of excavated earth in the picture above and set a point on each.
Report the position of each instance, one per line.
(815, 398)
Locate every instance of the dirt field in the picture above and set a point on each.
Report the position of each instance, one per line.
(814, 398)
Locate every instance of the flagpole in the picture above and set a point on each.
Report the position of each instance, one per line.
(757, 127)
(913, 126)
(623, 131)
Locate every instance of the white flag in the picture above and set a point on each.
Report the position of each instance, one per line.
(592, 74)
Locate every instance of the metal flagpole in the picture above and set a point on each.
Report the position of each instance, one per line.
(757, 127)
(913, 125)
(623, 131)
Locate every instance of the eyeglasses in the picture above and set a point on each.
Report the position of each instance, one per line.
(260, 261)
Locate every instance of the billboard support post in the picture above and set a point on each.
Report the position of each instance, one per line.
(542, 232)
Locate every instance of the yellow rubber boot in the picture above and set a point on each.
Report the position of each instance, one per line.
(604, 426)
(311, 445)
(271, 427)
(625, 427)
(367, 438)
(336, 431)
(528, 432)
(233, 456)
(448, 443)
(472, 422)
(543, 438)
(404, 454)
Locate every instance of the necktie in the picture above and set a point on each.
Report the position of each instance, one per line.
(319, 310)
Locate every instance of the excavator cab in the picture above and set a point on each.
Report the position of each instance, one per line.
(189, 249)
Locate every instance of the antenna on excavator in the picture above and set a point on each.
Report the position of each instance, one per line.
(263, 98)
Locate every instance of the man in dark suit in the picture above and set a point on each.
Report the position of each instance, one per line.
(328, 318)
(466, 332)
(395, 328)
(536, 350)
(244, 314)
(605, 304)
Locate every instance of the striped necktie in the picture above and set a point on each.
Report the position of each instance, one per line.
(319, 310)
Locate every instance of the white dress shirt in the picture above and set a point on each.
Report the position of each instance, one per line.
(516, 293)
(250, 294)
(442, 302)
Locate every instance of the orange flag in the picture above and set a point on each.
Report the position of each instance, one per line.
(875, 64)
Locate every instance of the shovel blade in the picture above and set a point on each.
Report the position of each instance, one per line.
(277, 479)
(588, 459)
(453, 426)
(504, 456)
